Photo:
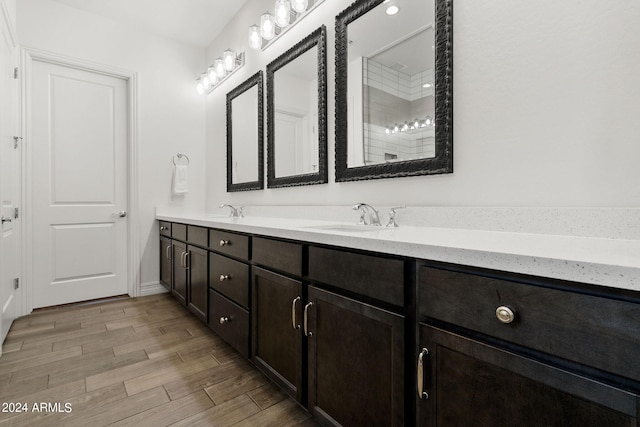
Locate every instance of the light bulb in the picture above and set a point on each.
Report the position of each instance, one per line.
(299, 5)
(267, 26)
(395, 128)
(283, 13)
(387, 131)
(416, 124)
(405, 126)
(199, 87)
(255, 39)
(220, 70)
(229, 58)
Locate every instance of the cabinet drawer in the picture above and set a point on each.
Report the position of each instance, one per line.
(596, 331)
(372, 276)
(283, 256)
(179, 231)
(228, 243)
(197, 235)
(230, 278)
(229, 321)
(165, 228)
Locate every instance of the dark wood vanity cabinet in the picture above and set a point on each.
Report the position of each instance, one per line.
(277, 329)
(166, 262)
(361, 338)
(356, 361)
(189, 264)
(497, 348)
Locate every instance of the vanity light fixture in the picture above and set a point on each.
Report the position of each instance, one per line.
(287, 14)
(415, 124)
(219, 71)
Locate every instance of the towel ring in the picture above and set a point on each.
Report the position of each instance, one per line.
(180, 156)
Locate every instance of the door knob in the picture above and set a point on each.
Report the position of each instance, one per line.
(122, 214)
(5, 219)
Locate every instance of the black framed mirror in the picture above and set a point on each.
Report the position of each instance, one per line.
(297, 114)
(245, 141)
(394, 89)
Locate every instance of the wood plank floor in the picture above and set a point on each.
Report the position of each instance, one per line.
(132, 361)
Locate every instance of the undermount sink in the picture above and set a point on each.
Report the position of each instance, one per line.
(347, 228)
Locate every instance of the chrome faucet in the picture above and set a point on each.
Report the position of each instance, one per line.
(392, 216)
(235, 212)
(374, 218)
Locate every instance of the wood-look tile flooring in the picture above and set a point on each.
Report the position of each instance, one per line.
(133, 361)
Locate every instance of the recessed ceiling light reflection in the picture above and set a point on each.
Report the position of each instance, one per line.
(392, 10)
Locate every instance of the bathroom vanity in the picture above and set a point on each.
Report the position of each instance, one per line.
(392, 327)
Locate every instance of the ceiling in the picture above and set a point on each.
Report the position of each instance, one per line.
(195, 22)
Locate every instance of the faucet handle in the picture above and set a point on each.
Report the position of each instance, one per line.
(241, 212)
(392, 215)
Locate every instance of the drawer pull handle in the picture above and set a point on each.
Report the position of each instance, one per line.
(224, 320)
(505, 314)
(163, 228)
(224, 277)
(224, 242)
(421, 393)
(293, 313)
(305, 319)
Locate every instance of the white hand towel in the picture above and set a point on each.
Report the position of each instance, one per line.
(180, 179)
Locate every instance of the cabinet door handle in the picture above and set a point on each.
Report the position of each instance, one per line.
(224, 277)
(421, 393)
(225, 242)
(168, 252)
(187, 260)
(306, 319)
(182, 259)
(293, 313)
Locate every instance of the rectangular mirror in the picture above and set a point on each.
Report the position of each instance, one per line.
(393, 89)
(245, 164)
(296, 111)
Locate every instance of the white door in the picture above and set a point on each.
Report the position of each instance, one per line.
(79, 162)
(10, 188)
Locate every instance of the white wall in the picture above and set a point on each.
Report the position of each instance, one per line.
(170, 113)
(545, 109)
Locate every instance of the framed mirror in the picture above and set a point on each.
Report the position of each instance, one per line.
(245, 148)
(297, 114)
(394, 89)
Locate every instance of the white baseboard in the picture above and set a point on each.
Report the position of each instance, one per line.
(152, 288)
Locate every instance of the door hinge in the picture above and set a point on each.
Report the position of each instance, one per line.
(15, 73)
(16, 283)
(15, 141)
(16, 213)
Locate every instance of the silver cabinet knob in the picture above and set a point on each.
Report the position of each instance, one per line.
(224, 320)
(505, 314)
(224, 277)
(163, 228)
(224, 242)
(122, 214)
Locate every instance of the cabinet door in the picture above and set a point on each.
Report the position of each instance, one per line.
(468, 383)
(197, 282)
(179, 289)
(356, 362)
(276, 343)
(166, 262)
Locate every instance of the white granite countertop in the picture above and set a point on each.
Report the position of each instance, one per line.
(600, 261)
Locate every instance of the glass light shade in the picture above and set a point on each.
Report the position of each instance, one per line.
(229, 58)
(199, 87)
(255, 39)
(220, 70)
(213, 75)
(299, 5)
(283, 13)
(267, 26)
(206, 83)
